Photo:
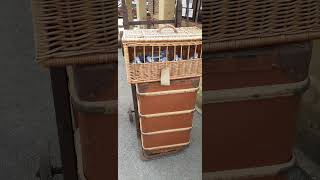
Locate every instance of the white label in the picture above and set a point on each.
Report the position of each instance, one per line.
(165, 76)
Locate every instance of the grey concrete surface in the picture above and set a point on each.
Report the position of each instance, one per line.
(308, 131)
(182, 166)
(27, 119)
(26, 108)
(315, 62)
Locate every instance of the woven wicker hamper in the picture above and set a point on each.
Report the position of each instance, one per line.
(93, 91)
(75, 32)
(240, 24)
(180, 47)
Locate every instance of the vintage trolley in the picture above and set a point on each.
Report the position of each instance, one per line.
(164, 67)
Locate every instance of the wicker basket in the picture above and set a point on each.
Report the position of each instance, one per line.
(230, 24)
(75, 32)
(178, 49)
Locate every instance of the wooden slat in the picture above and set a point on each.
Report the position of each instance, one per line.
(151, 22)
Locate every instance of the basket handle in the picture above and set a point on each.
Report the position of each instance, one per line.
(168, 26)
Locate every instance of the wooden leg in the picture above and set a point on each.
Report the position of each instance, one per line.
(179, 13)
(59, 83)
(135, 105)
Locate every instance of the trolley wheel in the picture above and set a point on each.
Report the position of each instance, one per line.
(130, 113)
(142, 156)
(44, 172)
(46, 169)
(296, 173)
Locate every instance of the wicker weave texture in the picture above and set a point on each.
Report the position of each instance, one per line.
(231, 24)
(184, 42)
(165, 34)
(142, 73)
(75, 32)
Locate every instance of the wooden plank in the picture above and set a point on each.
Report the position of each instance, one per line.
(187, 12)
(128, 4)
(151, 22)
(135, 106)
(179, 13)
(198, 9)
(166, 9)
(141, 11)
(127, 23)
(125, 15)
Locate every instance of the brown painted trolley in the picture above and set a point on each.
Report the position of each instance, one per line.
(251, 101)
(163, 109)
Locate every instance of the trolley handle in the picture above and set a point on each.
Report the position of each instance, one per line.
(168, 92)
(107, 107)
(167, 26)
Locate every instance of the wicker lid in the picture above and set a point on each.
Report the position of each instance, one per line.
(165, 33)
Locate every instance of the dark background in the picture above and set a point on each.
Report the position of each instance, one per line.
(27, 119)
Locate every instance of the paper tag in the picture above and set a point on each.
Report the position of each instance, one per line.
(165, 76)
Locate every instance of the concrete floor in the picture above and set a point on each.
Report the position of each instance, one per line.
(27, 119)
(185, 165)
(308, 135)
